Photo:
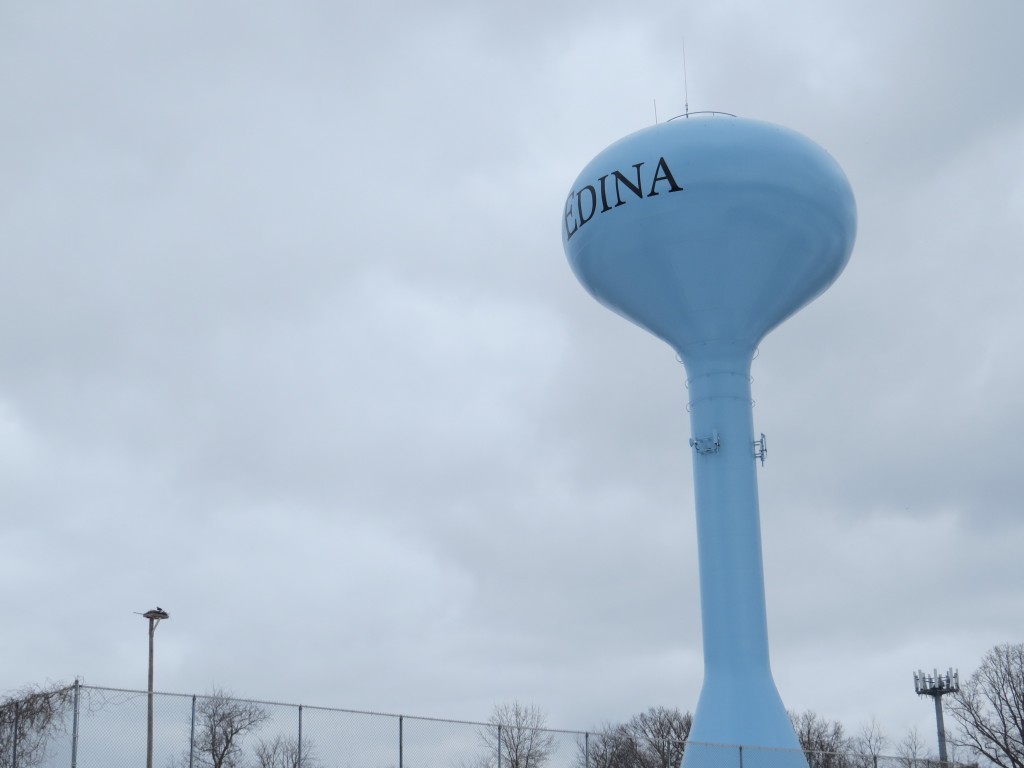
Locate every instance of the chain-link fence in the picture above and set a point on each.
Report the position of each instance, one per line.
(90, 727)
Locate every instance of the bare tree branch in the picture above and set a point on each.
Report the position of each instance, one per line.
(515, 737)
(989, 708)
(823, 741)
(30, 719)
(653, 739)
(283, 752)
(221, 722)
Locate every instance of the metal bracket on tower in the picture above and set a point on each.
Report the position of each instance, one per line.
(761, 449)
(705, 445)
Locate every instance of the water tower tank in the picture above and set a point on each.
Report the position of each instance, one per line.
(709, 232)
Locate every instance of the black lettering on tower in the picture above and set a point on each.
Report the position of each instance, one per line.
(568, 212)
(579, 204)
(604, 195)
(636, 189)
(662, 173)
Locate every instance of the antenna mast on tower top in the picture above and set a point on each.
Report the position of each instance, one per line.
(686, 90)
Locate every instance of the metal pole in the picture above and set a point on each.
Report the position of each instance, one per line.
(401, 741)
(14, 741)
(499, 745)
(941, 727)
(298, 761)
(74, 727)
(192, 734)
(741, 756)
(149, 699)
(586, 750)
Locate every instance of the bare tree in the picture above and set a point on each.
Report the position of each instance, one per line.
(515, 737)
(29, 719)
(912, 752)
(868, 744)
(989, 707)
(823, 741)
(612, 747)
(283, 752)
(221, 722)
(653, 739)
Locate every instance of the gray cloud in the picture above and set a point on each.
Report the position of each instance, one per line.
(288, 344)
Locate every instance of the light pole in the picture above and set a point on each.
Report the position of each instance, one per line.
(937, 686)
(154, 617)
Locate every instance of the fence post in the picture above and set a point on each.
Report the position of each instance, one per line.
(499, 745)
(298, 762)
(401, 740)
(874, 759)
(14, 739)
(192, 734)
(741, 756)
(586, 750)
(74, 726)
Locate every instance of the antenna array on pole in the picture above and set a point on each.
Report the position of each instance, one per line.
(937, 685)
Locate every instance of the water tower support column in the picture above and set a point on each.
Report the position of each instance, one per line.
(739, 703)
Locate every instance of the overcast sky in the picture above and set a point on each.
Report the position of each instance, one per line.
(289, 347)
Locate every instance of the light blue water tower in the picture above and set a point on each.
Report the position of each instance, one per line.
(709, 231)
